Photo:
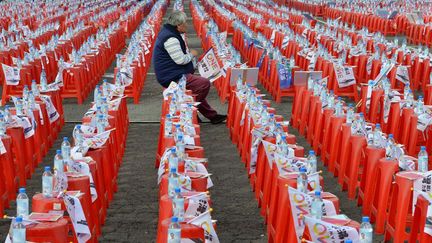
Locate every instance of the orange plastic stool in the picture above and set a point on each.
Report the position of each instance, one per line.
(400, 209)
(379, 194)
(48, 231)
(187, 231)
(373, 155)
(419, 221)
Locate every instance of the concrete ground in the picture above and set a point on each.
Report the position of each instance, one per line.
(133, 214)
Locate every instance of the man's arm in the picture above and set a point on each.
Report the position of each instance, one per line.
(172, 45)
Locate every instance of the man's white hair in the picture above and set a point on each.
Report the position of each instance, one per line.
(176, 18)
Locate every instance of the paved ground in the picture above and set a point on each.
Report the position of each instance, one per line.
(133, 215)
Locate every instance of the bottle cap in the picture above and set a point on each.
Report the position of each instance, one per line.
(177, 190)
(311, 152)
(173, 170)
(420, 97)
(317, 193)
(390, 136)
(423, 148)
(173, 150)
(18, 219)
(78, 126)
(174, 219)
(377, 125)
(47, 168)
(348, 241)
(65, 139)
(365, 219)
(22, 190)
(58, 151)
(303, 169)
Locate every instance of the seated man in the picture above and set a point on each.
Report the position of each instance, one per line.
(172, 59)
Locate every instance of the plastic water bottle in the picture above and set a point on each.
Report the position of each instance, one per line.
(168, 125)
(180, 146)
(362, 121)
(312, 161)
(6, 113)
(310, 83)
(331, 100)
(317, 206)
(58, 161)
(173, 159)
(43, 80)
(389, 145)
(47, 182)
(350, 114)
(410, 99)
(422, 160)
(338, 107)
(173, 107)
(348, 241)
(178, 205)
(366, 231)
(100, 124)
(79, 136)
(22, 202)
(19, 107)
(406, 91)
(2, 125)
(377, 136)
(420, 105)
(105, 88)
(34, 88)
(239, 84)
(302, 181)
(173, 182)
(25, 92)
(65, 148)
(174, 231)
(18, 231)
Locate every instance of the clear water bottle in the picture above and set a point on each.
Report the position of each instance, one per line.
(348, 241)
(180, 144)
(168, 126)
(25, 92)
(366, 231)
(19, 107)
(312, 162)
(423, 160)
(339, 107)
(239, 84)
(18, 231)
(310, 83)
(2, 125)
(100, 124)
(43, 80)
(173, 182)
(178, 205)
(173, 159)
(302, 181)
(420, 105)
(362, 121)
(6, 113)
(65, 148)
(47, 182)
(331, 100)
(58, 161)
(406, 91)
(173, 107)
(105, 88)
(174, 231)
(410, 99)
(317, 206)
(350, 114)
(22, 202)
(377, 136)
(389, 146)
(79, 136)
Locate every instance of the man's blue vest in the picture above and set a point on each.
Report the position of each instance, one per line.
(165, 68)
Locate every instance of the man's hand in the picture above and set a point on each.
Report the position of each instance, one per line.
(193, 52)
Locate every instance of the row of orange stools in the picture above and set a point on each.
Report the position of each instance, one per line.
(199, 185)
(104, 166)
(23, 155)
(141, 65)
(269, 185)
(384, 193)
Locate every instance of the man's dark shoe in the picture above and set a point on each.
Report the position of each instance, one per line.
(218, 119)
